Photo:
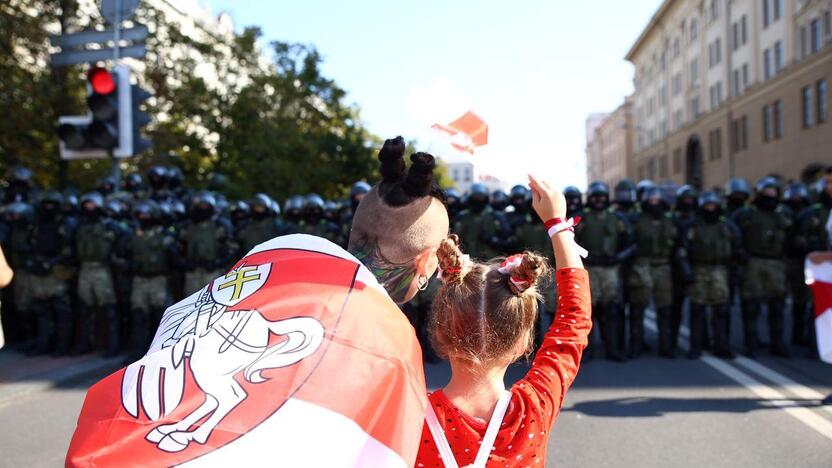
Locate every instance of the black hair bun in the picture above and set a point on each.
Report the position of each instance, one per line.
(419, 180)
(391, 156)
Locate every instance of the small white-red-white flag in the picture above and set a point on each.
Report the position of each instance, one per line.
(819, 278)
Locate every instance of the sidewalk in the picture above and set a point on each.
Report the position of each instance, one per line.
(21, 375)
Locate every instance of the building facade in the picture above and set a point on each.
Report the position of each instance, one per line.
(610, 147)
(727, 88)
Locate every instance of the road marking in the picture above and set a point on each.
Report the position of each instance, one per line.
(786, 383)
(766, 392)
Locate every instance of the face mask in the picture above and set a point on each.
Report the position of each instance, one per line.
(259, 214)
(767, 203)
(312, 216)
(656, 211)
(598, 203)
(201, 214)
(477, 205)
(687, 204)
(573, 205)
(91, 215)
(710, 216)
(146, 223)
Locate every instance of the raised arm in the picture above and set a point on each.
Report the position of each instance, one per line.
(6, 273)
(556, 362)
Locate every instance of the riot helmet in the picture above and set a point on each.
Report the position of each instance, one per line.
(598, 196)
(478, 197)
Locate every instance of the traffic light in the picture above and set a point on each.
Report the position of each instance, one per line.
(114, 119)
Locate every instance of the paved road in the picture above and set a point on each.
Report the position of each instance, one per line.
(648, 413)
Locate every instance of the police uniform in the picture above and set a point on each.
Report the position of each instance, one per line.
(205, 244)
(477, 227)
(764, 227)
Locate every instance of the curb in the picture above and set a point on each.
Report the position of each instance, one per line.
(9, 392)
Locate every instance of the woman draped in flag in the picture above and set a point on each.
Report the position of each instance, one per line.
(297, 356)
(483, 319)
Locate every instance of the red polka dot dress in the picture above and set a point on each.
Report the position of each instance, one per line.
(535, 400)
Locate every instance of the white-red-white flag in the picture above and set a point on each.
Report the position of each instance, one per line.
(465, 133)
(295, 357)
(819, 278)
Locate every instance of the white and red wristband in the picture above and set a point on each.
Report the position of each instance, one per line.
(555, 226)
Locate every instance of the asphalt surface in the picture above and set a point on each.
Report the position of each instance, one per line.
(650, 412)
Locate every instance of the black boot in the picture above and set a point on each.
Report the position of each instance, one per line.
(46, 329)
(86, 329)
(697, 330)
(113, 330)
(664, 322)
(750, 315)
(776, 329)
(799, 322)
(636, 331)
(64, 325)
(613, 324)
(722, 331)
(675, 322)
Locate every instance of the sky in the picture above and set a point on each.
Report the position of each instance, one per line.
(532, 69)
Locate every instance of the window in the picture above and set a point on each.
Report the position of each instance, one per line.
(694, 71)
(778, 56)
(744, 132)
(676, 84)
(694, 29)
(715, 144)
(715, 53)
(744, 28)
(804, 42)
(712, 93)
(821, 101)
(767, 123)
(714, 10)
(807, 107)
(778, 8)
(663, 166)
(815, 28)
(694, 108)
(735, 136)
(662, 96)
(678, 119)
(735, 36)
(677, 160)
(736, 81)
(766, 16)
(767, 63)
(718, 50)
(778, 119)
(827, 23)
(676, 48)
(745, 75)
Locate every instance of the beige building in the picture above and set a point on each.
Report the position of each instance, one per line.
(610, 146)
(729, 88)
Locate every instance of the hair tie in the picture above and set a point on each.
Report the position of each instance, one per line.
(507, 268)
(444, 273)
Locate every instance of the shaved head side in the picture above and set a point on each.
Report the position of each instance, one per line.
(399, 233)
(399, 220)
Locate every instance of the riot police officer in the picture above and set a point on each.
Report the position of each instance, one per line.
(796, 198)
(737, 193)
(157, 179)
(710, 245)
(151, 253)
(238, 213)
(764, 226)
(453, 201)
(20, 186)
(606, 235)
(98, 241)
(684, 215)
(478, 228)
(205, 243)
(51, 250)
(134, 186)
(263, 225)
(499, 201)
(626, 197)
(17, 247)
(642, 186)
(574, 201)
(655, 237)
(314, 222)
(294, 214)
(105, 186)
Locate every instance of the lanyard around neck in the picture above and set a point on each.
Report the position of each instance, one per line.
(487, 441)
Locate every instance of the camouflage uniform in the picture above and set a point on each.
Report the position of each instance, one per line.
(764, 227)
(152, 252)
(97, 244)
(650, 276)
(262, 227)
(478, 228)
(205, 245)
(606, 235)
(710, 245)
(51, 243)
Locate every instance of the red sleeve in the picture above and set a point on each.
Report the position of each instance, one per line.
(556, 363)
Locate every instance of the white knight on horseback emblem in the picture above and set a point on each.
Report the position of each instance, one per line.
(220, 344)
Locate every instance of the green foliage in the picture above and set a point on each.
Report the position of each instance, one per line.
(276, 125)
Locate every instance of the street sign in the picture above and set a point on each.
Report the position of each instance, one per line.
(69, 41)
(116, 11)
(86, 56)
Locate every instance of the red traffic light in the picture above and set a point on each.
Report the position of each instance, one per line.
(101, 80)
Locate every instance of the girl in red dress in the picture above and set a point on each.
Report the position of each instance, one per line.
(482, 321)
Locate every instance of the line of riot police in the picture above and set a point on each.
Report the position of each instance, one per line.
(96, 271)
